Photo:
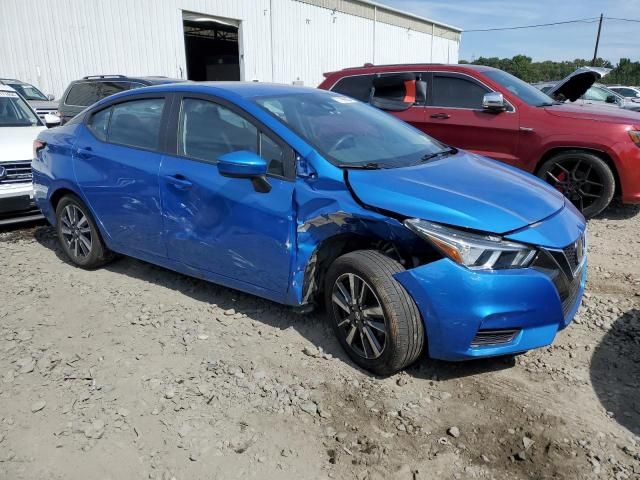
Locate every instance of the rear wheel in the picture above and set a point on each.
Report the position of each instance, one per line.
(374, 318)
(583, 178)
(79, 235)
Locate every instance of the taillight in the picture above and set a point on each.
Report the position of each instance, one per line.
(37, 146)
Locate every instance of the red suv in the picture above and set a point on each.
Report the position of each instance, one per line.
(588, 154)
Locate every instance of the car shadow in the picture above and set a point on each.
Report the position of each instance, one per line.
(615, 371)
(618, 211)
(311, 326)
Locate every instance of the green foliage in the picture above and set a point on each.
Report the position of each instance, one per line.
(625, 72)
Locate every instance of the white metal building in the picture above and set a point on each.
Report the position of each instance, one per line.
(51, 42)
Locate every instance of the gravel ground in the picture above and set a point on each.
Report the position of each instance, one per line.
(133, 371)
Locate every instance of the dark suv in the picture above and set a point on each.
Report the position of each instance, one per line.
(82, 93)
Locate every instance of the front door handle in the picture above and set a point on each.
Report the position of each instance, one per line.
(179, 182)
(441, 116)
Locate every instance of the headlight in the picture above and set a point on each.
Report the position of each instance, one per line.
(635, 136)
(477, 252)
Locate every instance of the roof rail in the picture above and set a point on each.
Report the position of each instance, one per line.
(88, 77)
(369, 65)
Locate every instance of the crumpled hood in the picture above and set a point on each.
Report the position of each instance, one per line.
(16, 143)
(463, 190)
(614, 114)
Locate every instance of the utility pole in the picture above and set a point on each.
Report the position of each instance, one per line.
(595, 53)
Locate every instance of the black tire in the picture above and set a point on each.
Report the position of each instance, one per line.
(584, 178)
(404, 334)
(90, 256)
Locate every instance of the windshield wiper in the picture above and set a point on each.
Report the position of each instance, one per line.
(446, 151)
(361, 166)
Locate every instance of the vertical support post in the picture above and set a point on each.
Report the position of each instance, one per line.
(595, 53)
(375, 23)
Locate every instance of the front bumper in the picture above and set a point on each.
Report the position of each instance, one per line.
(16, 203)
(457, 304)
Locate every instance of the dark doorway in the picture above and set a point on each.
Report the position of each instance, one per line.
(211, 47)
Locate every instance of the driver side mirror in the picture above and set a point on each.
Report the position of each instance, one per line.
(51, 120)
(245, 164)
(494, 101)
(51, 97)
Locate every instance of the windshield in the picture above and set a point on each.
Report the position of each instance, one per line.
(14, 111)
(28, 91)
(525, 92)
(350, 133)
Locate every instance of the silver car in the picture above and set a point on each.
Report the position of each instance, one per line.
(41, 103)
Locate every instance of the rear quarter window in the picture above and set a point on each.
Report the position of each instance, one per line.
(83, 94)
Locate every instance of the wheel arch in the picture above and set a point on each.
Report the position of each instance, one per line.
(604, 156)
(403, 250)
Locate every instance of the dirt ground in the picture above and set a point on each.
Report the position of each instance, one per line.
(136, 372)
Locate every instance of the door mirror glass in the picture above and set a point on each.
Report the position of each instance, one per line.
(245, 164)
(51, 120)
(494, 101)
(396, 92)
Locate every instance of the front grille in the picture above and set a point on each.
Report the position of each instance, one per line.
(570, 295)
(563, 267)
(493, 337)
(15, 172)
(44, 111)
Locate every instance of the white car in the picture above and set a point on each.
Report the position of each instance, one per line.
(19, 127)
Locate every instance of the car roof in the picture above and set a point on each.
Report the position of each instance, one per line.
(12, 80)
(151, 80)
(370, 68)
(241, 89)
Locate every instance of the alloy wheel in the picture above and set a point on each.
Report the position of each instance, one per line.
(359, 315)
(577, 180)
(76, 231)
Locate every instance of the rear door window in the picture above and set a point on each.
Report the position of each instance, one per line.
(457, 92)
(358, 87)
(136, 123)
(83, 94)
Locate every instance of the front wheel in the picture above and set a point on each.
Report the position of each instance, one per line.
(583, 178)
(374, 318)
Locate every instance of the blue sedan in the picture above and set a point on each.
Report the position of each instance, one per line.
(307, 198)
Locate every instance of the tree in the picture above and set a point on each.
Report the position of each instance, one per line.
(625, 72)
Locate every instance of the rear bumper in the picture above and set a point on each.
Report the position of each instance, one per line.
(458, 304)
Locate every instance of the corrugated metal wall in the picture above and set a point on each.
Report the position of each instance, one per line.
(50, 43)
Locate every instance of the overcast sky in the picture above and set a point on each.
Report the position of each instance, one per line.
(564, 42)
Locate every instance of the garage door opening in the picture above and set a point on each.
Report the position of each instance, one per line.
(212, 47)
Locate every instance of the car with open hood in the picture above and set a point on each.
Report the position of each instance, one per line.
(589, 154)
(580, 88)
(306, 197)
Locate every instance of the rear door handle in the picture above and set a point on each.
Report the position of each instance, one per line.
(442, 116)
(85, 152)
(179, 181)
